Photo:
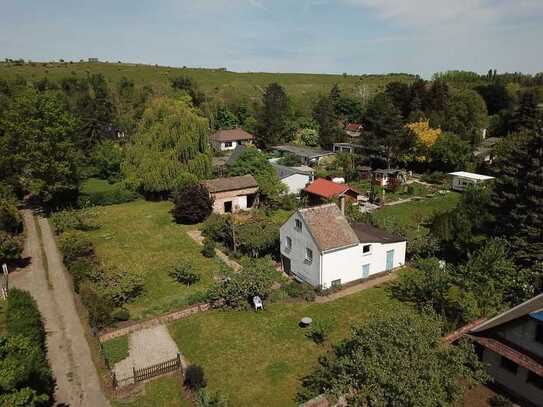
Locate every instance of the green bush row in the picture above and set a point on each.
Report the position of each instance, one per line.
(117, 195)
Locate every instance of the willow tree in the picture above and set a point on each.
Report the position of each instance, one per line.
(169, 150)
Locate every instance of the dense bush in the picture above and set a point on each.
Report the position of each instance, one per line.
(435, 177)
(194, 377)
(117, 195)
(184, 273)
(24, 318)
(81, 270)
(121, 314)
(10, 219)
(319, 331)
(295, 289)
(193, 204)
(98, 306)
(73, 220)
(217, 228)
(120, 286)
(74, 245)
(11, 247)
(208, 250)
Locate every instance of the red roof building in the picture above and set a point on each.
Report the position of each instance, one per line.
(323, 189)
(353, 127)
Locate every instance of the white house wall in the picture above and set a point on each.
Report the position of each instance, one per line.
(300, 241)
(346, 264)
(461, 183)
(296, 182)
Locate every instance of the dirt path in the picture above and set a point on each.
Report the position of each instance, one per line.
(68, 352)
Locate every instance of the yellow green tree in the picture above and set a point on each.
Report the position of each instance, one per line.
(425, 136)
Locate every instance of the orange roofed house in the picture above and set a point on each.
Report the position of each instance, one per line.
(322, 190)
(224, 140)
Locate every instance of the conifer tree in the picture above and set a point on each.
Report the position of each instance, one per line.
(272, 126)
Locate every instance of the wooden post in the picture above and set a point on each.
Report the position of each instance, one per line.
(134, 373)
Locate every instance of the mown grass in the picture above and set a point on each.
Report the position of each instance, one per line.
(141, 236)
(96, 185)
(162, 392)
(258, 359)
(116, 349)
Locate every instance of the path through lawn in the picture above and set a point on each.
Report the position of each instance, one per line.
(257, 359)
(141, 236)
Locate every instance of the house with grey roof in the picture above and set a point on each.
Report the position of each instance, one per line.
(307, 155)
(319, 246)
(295, 178)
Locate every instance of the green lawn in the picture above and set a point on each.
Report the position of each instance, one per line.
(96, 185)
(142, 237)
(257, 359)
(116, 349)
(162, 392)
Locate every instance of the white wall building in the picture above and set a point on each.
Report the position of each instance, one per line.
(225, 140)
(295, 178)
(461, 179)
(320, 247)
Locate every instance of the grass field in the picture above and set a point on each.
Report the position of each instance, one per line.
(215, 81)
(116, 349)
(163, 392)
(141, 236)
(96, 185)
(257, 359)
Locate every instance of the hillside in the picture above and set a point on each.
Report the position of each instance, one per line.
(216, 81)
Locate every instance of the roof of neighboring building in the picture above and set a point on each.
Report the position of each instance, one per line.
(232, 135)
(471, 175)
(327, 189)
(353, 127)
(283, 171)
(533, 305)
(230, 183)
(235, 154)
(328, 227)
(370, 234)
(387, 171)
(300, 151)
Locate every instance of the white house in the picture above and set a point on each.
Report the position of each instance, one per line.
(225, 140)
(295, 178)
(320, 247)
(461, 179)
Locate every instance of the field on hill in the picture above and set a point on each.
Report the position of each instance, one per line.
(214, 81)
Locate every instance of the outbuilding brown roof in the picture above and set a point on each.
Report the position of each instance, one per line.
(230, 183)
(232, 135)
(328, 227)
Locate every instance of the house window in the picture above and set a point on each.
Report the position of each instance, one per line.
(509, 365)
(308, 255)
(539, 333)
(298, 225)
(535, 380)
(227, 144)
(288, 243)
(366, 249)
(336, 283)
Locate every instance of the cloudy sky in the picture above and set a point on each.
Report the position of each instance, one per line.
(354, 36)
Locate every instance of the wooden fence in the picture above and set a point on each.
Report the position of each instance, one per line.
(158, 369)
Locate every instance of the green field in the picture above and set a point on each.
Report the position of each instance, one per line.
(214, 81)
(257, 359)
(163, 392)
(96, 185)
(141, 236)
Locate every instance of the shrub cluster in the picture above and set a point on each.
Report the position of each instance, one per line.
(183, 273)
(11, 227)
(117, 195)
(10, 219)
(73, 220)
(195, 378)
(295, 289)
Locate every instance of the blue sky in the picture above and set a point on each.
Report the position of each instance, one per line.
(331, 36)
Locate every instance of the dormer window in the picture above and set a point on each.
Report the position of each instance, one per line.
(366, 249)
(298, 225)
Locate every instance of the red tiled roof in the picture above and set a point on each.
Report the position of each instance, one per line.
(232, 135)
(502, 349)
(353, 127)
(327, 189)
(455, 335)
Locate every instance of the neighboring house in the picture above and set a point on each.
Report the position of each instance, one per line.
(511, 346)
(233, 194)
(461, 179)
(295, 178)
(485, 151)
(320, 247)
(322, 190)
(224, 140)
(353, 130)
(308, 155)
(388, 177)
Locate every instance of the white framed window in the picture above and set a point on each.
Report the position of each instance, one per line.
(227, 144)
(366, 249)
(288, 243)
(298, 223)
(308, 255)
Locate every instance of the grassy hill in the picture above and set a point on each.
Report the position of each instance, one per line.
(215, 81)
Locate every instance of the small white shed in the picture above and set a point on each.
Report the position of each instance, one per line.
(461, 179)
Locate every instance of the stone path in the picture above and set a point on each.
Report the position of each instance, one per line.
(196, 235)
(146, 347)
(372, 282)
(77, 381)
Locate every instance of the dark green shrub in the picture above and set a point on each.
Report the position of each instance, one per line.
(121, 314)
(183, 273)
(11, 247)
(10, 219)
(436, 177)
(98, 306)
(119, 285)
(117, 195)
(319, 331)
(24, 318)
(304, 291)
(194, 378)
(209, 248)
(217, 228)
(192, 205)
(74, 245)
(81, 270)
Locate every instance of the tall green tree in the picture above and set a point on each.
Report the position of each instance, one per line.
(449, 153)
(527, 116)
(324, 114)
(273, 127)
(169, 150)
(466, 115)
